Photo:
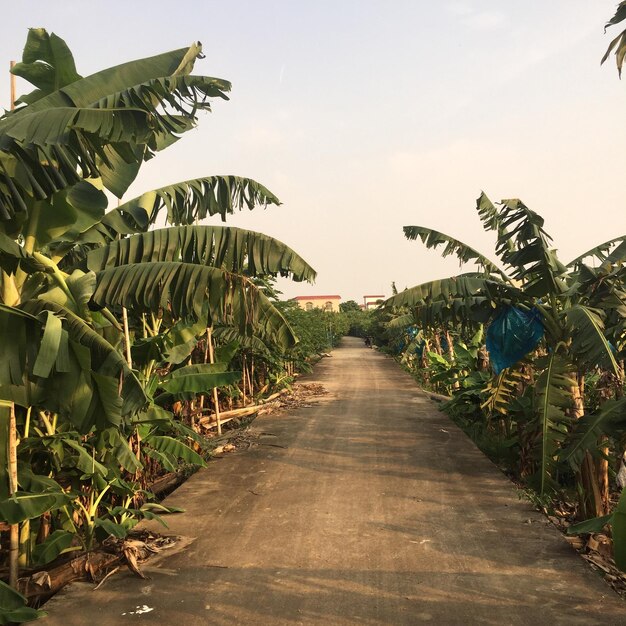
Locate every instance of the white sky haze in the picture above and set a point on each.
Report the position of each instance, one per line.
(364, 116)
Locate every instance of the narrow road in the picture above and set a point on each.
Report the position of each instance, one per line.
(370, 507)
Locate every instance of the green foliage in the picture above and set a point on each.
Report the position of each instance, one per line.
(583, 312)
(231, 249)
(502, 390)
(13, 609)
(315, 330)
(554, 397)
(92, 428)
(356, 322)
(350, 305)
(59, 542)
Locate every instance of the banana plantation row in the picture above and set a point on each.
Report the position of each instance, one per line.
(122, 343)
(531, 351)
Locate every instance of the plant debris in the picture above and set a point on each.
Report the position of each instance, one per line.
(595, 548)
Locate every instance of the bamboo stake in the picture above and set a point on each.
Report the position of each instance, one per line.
(25, 544)
(243, 378)
(10, 295)
(602, 470)
(12, 75)
(209, 339)
(14, 536)
(127, 336)
(451, 356)
(125, 323)
(14, 541)
(206, 358)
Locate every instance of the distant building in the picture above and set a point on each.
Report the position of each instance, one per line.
(327, 303)
(372, 302)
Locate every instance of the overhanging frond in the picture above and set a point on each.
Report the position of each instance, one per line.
(184, 288)
(589, 345)
(232, 249)
(433, 238)
(534, 263)
(502, 390)
(491, 218)
(608, 420)
(554, 396)
(463, 286)
(185, 203)
(599, 252)
(106, 360)
(86, 91)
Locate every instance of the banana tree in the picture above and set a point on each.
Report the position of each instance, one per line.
(219, 262)
(531, 278)
(64, 144)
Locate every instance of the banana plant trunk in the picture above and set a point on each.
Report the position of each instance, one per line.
(602, 470)
(451, 356)
(591, 502)
(243, 379)
(437, 343)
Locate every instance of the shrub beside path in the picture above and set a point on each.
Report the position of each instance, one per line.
(370, 507)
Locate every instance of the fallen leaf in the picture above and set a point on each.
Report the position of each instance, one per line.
(41, 579)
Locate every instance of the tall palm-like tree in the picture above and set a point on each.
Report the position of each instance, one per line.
(567, 298)
(69, 265)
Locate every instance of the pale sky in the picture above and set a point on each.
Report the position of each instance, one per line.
(363, 116)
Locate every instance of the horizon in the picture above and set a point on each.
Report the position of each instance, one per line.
(363, 118)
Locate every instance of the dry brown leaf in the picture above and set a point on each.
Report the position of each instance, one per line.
(597, 561)
(576, 542)
(41, 579)
(131, 561)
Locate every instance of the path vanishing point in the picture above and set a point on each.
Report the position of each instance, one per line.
(370, 507)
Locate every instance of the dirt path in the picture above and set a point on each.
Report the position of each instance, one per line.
(370, 507)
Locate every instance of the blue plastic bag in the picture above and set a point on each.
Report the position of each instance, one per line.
(512, 334)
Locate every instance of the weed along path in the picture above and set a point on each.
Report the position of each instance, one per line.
(368, 507)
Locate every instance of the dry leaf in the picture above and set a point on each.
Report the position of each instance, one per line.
(41, 579)
(576, 542)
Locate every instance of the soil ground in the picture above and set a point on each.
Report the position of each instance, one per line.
(368, 507)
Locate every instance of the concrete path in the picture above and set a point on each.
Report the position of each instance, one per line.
(377, 510)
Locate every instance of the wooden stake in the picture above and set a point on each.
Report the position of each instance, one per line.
(12, 75)
(216, 403)
(125, 321)
(127, 337)
(243, 378)
(14, 535)
(206, 358)
(14, 542)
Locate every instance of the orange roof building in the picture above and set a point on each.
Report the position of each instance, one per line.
(327, 303)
